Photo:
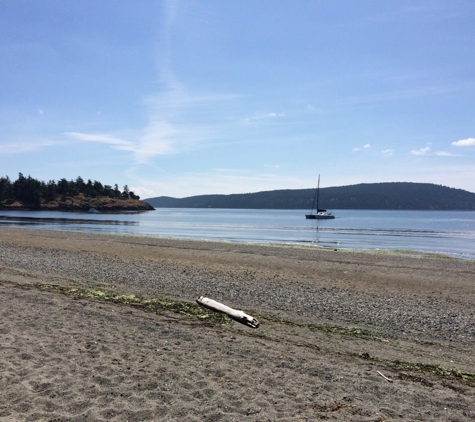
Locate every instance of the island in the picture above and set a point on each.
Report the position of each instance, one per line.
(27, 193)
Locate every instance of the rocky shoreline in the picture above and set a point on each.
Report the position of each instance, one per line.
(82, 203)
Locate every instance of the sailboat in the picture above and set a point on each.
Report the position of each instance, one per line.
(321, 214)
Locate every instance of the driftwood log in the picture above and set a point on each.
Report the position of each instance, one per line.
(238, 316)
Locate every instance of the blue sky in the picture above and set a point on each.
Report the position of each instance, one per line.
(184, 98)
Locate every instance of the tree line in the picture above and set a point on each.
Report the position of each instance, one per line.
(31, 192)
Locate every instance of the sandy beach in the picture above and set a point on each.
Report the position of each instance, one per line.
(106, 328)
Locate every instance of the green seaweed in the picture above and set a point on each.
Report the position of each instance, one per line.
(152, 304)
(330, 329)
(467, 377)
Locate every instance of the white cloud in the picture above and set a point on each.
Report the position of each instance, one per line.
(365, 146)
(387, 152)
(421, 151)
(263, 116)
(165, 133)
(445, 154)
(103, 138)
(143, 192)
(469, 142)
(156, 140)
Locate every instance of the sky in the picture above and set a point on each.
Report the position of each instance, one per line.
(195, 97)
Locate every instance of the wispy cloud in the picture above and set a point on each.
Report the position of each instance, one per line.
(420, 151)
(387, 152)
(172, 125)
(445, 154)
(366, 146)
(156, 140)
(117, 143)
(27, 146)
(469, 142)
(262, 116)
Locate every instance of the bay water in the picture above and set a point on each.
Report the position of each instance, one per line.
(446, 232)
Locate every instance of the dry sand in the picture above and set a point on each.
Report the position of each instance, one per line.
(344, 336)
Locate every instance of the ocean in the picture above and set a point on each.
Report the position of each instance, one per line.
(445, 232)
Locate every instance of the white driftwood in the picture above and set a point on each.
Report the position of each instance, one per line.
(239, 316)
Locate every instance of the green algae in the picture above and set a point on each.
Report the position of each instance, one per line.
(438, 370)
(353, 332)
(154, 304)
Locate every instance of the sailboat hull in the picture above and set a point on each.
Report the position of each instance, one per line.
(319, 216)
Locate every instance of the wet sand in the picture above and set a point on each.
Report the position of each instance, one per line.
(343, 335)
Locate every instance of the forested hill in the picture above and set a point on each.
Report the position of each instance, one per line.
(27, 193)
(387, 196)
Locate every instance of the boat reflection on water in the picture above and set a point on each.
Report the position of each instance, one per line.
(324, 241)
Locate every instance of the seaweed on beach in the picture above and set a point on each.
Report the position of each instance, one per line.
(154, 304)
(438, 370)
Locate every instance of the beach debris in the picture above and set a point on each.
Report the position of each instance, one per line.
(238, 316)
(385, 377)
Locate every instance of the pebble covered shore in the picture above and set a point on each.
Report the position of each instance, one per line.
(420, 297)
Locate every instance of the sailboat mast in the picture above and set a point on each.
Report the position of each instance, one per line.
(314, 199)
(318, 191)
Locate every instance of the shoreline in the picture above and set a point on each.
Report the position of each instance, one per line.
(435, 238)
(414, 253)
(79, 333)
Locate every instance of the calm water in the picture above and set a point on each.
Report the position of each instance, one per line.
(450, 232)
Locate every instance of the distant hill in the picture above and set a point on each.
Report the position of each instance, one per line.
(384, 196)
